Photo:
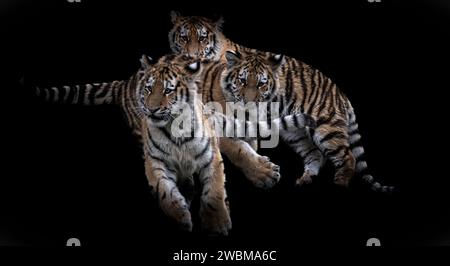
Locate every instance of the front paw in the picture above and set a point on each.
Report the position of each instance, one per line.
(178, 210)
(263, 173)
(304, 180)
(215, 220)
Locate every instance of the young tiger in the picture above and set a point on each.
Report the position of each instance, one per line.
(151, 100)
(164, 89)
(299, 88)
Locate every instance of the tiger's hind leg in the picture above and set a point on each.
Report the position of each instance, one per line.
(334, 144)
(258, 169)
(163, 186)
(214, 210)
(313, 160)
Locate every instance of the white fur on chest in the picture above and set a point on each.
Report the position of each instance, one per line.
(183, 156)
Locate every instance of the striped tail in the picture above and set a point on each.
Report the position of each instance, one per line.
(88, 94)
(358, 153)
(248, 129)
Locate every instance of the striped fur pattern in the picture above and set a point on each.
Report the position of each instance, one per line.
(150, 100)
(88, 94)
(199, 37)
(172, 160)
(298, 88)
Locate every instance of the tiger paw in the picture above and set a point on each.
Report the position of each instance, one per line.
(304, 180)
(178, 210)
(342, 181)
(185, 223)
(215, 220)
(263, 173)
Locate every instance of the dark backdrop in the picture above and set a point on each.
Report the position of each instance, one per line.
(70, 171)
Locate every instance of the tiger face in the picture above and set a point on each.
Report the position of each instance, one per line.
(196, 37)
(251, 77)
(165, 88)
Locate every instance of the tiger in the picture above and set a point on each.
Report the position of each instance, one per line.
(152, 100)
(250, 75)
(163, 89)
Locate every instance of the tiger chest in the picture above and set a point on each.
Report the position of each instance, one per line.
(182, 157)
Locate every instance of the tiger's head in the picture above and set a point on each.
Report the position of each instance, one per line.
(251, 77)
(196, 37)
(166, 87)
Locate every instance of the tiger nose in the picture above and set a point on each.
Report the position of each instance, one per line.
(153, 109)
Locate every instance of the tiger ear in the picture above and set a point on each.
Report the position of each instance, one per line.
(276, 61)
(193, 67)
(174, 16)
(232, 58)
(146, 61)
(219, 23)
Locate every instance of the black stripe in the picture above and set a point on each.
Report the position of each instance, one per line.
(289, 85)
(167, 135)
(50, 95)
(292, 104)
(325, 119)
(354, 131)
(335, 151)
(312, 103)
(208, 162)
(91, 93)
(339, 123)
(364, 171)
(313, 86)
(187, 95)
(280, 99)
(323, 102)
(81, 92)
(361, 157)
(332, 135)
(156, 158)
(309, 152)
(283, 123)
(156, 145)
(62, 93)
(296, 121)
(105, 91)
(210, 206)
(205, 149)
(356, 144)
(71, 95)
(304, 88)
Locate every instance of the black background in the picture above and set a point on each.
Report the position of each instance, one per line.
(73, 171)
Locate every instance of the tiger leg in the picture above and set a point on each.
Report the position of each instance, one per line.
(313, 160)
(258, 169)
(334, 144)
(214, 212)
(163, 186)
